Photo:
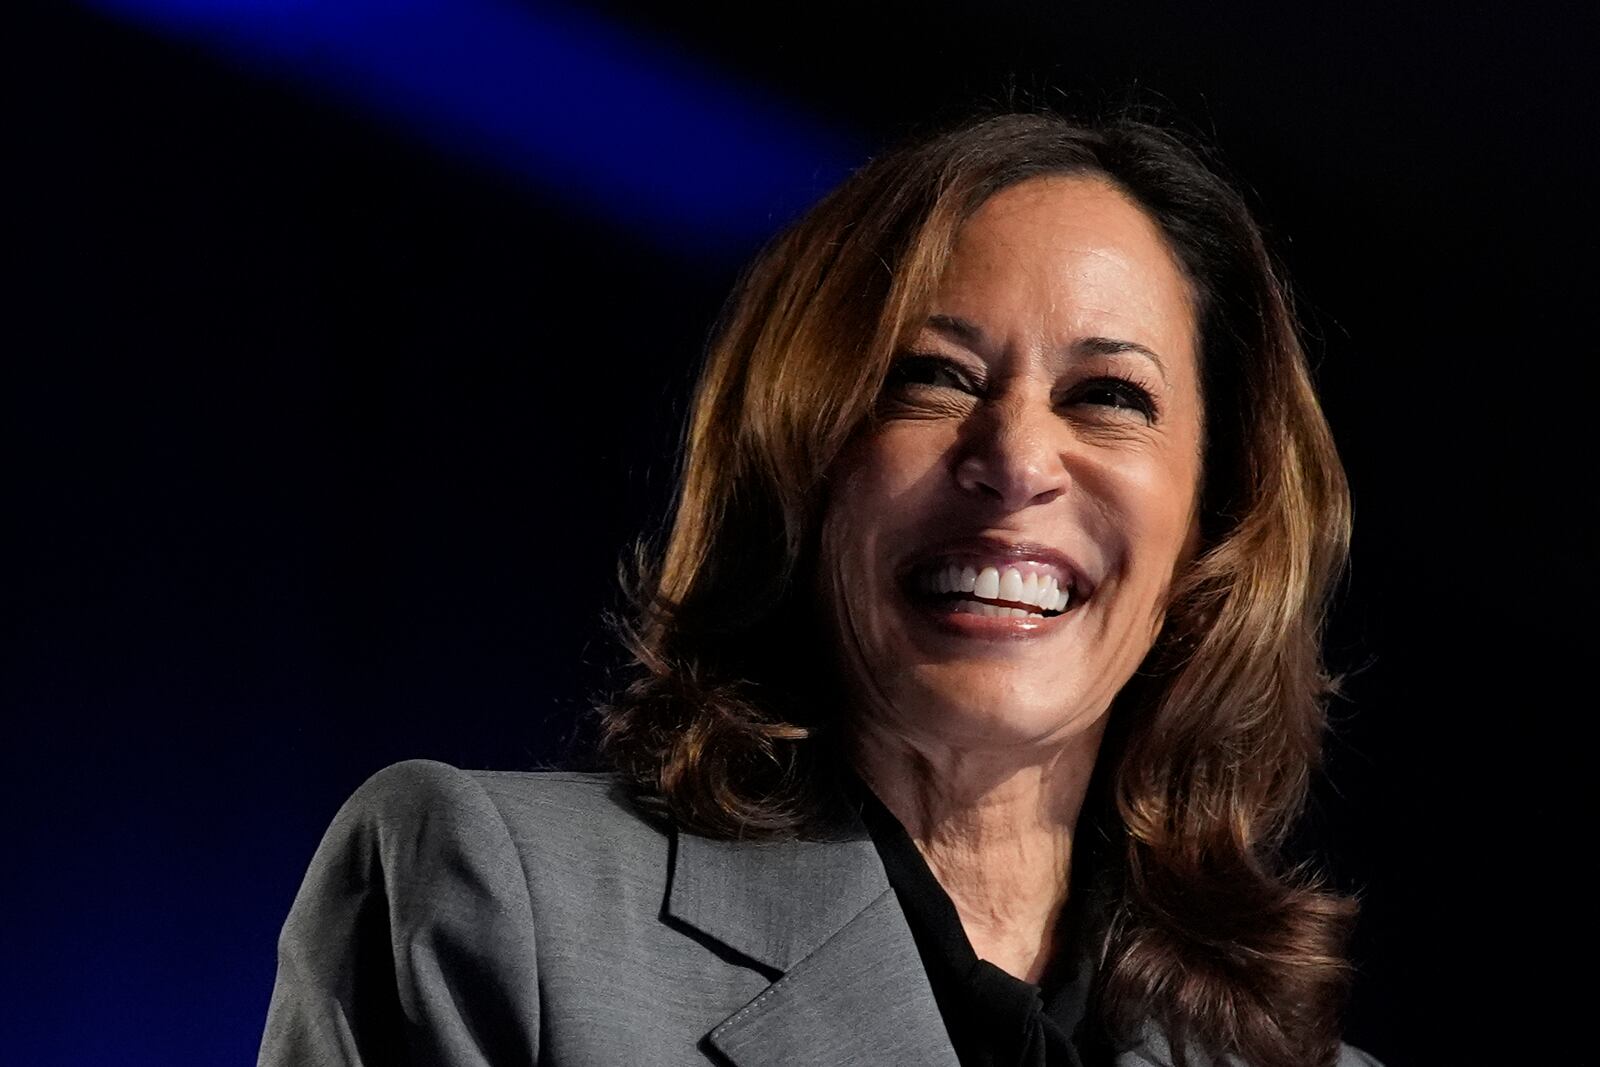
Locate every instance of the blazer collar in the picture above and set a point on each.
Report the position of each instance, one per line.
(849, 985)
(774, 901)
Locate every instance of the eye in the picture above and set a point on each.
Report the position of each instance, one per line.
(1116, 393)
(917, 371)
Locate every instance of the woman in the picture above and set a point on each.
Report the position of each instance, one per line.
(979, 674)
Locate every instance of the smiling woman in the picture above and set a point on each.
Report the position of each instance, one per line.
(978, 675)
(1026, 436)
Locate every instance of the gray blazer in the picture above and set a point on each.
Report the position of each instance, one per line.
(454, 918)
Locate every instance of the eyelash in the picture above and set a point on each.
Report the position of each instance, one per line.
(1135, 395)
(900, 370)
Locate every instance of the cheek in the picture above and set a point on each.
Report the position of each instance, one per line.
(882, 481)
(846, 532)
(1158, 501)
(1174, 516)
(877, 490)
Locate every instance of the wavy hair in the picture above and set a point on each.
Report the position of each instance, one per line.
(730, 725)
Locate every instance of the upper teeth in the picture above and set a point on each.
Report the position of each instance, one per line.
(991, 583)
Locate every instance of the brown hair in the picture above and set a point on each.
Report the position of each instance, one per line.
(728, 723)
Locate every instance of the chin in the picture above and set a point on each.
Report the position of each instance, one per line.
(982, 718)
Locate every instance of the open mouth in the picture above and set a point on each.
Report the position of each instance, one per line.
(1016, 590)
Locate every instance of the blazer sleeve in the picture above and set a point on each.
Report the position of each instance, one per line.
(411, 940)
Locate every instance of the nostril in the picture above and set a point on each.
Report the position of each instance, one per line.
(974, 476)
(970, 474)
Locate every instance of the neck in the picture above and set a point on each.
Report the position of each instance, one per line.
(996, 828)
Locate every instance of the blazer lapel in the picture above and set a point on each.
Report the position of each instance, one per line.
(818, 915)
(861, 998)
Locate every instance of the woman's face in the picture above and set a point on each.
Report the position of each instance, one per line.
(997, 549)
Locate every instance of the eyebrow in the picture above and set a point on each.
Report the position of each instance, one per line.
(969, 334)
(1110, 346)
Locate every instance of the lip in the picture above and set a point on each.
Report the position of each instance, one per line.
(991, 551)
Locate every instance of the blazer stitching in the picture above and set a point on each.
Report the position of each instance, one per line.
(772, 990)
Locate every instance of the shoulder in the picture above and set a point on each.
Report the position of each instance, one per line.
(552, 826)
(420, 840)
(415, 923)
(424, 790)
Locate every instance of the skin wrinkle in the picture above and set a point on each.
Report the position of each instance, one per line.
(1013, 838)
(984, 749)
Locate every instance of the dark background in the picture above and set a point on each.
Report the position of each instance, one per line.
(326, 419)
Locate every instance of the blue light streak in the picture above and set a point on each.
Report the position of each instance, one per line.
(627, 130)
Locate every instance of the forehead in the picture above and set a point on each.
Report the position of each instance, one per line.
(1069, 254)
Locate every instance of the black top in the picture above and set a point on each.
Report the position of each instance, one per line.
(994, 1019)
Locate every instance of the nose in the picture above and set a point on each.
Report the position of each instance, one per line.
(1011, 454)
